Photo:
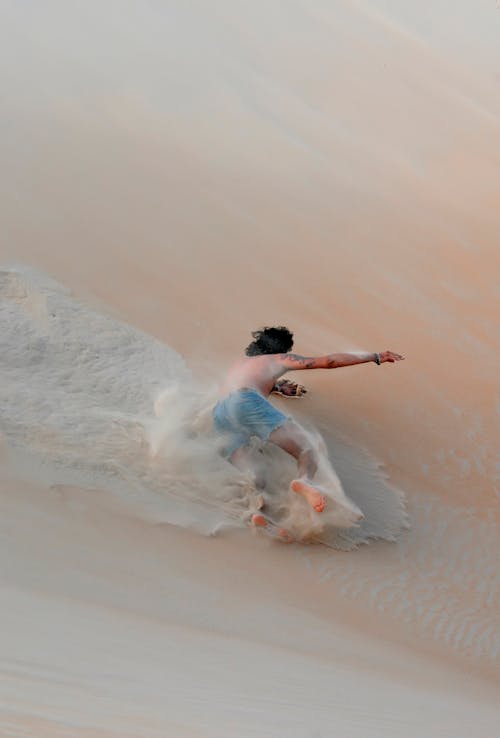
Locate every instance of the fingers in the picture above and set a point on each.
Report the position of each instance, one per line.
(391, 357)
(287, 388)
(297, 390)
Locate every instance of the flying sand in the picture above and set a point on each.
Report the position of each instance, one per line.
(244, 410)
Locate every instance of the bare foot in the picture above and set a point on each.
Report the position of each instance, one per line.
(310, 494)
(262, 522)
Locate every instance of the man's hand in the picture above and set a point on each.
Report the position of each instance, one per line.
(390, 356)
(287, 388)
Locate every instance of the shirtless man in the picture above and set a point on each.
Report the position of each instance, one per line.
(244, 411)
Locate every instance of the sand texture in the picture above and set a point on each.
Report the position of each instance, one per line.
(174, 176)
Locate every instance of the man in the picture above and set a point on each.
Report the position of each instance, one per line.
(244, 411)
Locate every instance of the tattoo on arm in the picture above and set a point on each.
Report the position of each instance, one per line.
(300, 362)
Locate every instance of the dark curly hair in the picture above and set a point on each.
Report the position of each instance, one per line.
(277, 340)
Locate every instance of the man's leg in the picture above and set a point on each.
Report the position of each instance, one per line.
(241, 459)
(293, 439)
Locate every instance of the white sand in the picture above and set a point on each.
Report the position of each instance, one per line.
(110, 627)
(198, 171)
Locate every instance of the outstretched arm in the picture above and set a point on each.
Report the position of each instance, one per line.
(294, 362)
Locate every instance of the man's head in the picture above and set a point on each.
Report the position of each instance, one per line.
(277, 340)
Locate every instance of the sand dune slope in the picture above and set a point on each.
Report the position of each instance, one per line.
(191, 171)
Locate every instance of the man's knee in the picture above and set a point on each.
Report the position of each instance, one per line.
(292, 438)
(303, 441)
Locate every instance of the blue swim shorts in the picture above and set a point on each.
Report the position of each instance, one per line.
(243, 414)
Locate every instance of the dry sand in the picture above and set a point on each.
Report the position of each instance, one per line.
(194, 172)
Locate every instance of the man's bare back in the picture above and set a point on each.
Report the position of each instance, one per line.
(258, 372)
